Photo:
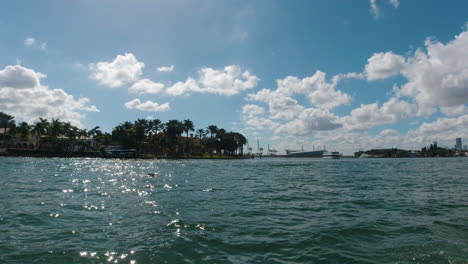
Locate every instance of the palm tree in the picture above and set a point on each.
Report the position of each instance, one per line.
(212, 129)
(94, 132)
(23, 129)
(40, 128)
(55, 128)
(240, 141)
(220, 134)
(125, 135)
(188, 126)
(70, 132)
(6, 121)
(83, 133)
(200, 133)
(141, 130)
(155, 125)
(174, 129)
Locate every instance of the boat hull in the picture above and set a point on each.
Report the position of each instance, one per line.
(306, 154)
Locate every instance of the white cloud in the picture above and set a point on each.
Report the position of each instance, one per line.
(166, 68)
(280, 106)
(44, 46)
(260, 123)
(251, 110)
(310, 120)
(124, 69)
(315, 88)
(180, 88)
(229, 81)
(438, 77)
(442, 130)
(147, 106)
(394, 3)
(383, 65)
(23, 96)
(292, 118)
(146, 86)
(20, 77)
(29, 42)
(374, 8)
(454, 110)
(371, 115)
(443, 125)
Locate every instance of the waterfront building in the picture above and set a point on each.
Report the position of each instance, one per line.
(458, 143)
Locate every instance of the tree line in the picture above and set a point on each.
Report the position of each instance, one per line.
(150, 137)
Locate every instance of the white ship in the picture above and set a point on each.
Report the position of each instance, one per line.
(331, 155)
(305, 154)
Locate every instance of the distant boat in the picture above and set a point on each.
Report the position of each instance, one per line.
(331, 155)
(116, 152)
(305, 154)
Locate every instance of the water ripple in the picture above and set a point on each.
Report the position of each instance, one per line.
(238, 211)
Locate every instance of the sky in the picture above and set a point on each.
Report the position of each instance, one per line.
(351, 75)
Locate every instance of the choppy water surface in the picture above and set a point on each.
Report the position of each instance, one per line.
(242, 211)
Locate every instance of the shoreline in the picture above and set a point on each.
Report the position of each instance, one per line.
(44, 154)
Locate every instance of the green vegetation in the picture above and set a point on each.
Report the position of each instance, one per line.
(432, 151)
(149, 138)
(385, 153)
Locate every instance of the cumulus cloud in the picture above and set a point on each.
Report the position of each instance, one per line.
(165, 68)
(310, 120)
(438, 77)
(279, 105)
(146, 86)
(454, 110)
(316, 89)
(251, 110)
(292, 118)
(383, 65)
(29, 42)
(23, 96)
(261, 123)
(122, 70)
(147, 106)
(20, 77)
(229, 81)
(442, 125)
(443, 130)
(180, 88)
(370, 115)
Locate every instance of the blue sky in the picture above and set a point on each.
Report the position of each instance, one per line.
(392, 90)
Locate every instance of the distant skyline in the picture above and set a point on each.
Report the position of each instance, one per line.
(350, 75)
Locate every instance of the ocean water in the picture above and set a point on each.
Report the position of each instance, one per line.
(234, 211)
